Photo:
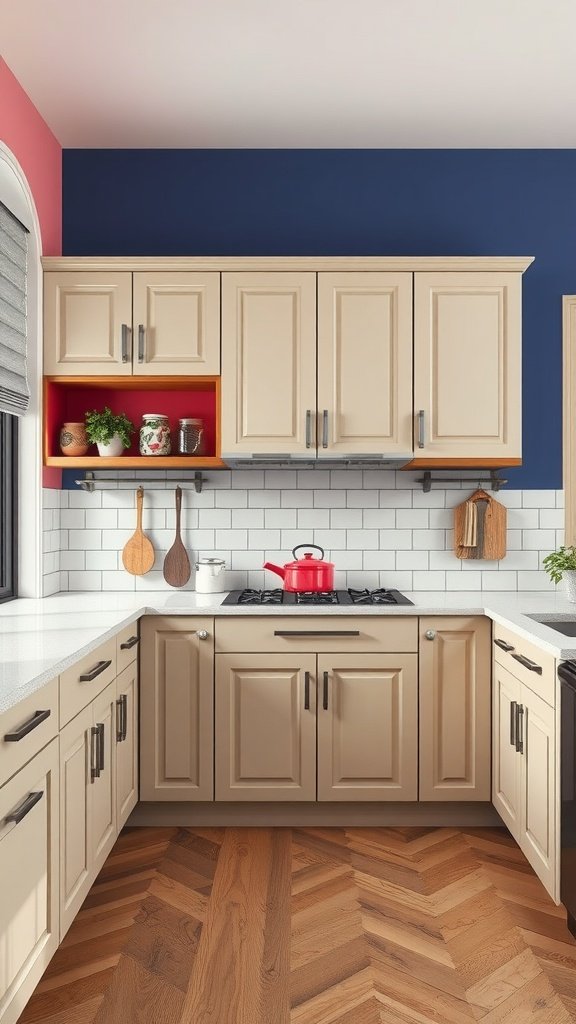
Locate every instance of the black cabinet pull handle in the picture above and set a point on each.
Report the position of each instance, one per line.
(513, 706)
(129, 643)
(503, 645)
(307, 691)
(532, 665)
(119, 720)
(101, 765)
(325, 692)
(100, 667)
(520, 729)
(37, 718)
(316, 632)
(25, 808)
(94, 769)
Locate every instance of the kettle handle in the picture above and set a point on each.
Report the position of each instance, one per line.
(317, 546)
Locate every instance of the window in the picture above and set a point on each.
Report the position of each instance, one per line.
(8, 506)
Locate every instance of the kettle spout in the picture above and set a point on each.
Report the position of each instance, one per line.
(275, 568)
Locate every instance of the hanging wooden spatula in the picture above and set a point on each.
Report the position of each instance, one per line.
(177, 563)
(138, 553)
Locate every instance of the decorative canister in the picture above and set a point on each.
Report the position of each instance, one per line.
(73, 440)
(155, 434)
(210, 575)
(191, 437)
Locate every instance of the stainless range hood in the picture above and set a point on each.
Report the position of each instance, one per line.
(283, 461)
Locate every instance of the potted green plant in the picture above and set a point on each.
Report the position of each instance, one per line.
(110, 432)
(561, 565)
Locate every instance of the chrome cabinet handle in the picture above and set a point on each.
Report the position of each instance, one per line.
(513, 706)
(307, 691)
(24, 808)
(141, 343)
(126, 331)
(98, 669)
(94, 770)
(503, 645)
(520, 729)
(430, 634)
(37, 718)
(308, 428)
(316, 632)
(202, 634)
(129, 643)
(421, 428)
(325, 692)
(533, 666)
(325, 428)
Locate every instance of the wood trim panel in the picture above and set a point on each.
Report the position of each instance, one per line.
(460, 464)
(505, 264)
(569, 415)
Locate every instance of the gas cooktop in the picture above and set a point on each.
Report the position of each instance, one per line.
(328, 597)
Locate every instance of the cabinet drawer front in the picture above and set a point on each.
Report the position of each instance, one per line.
(537, 670)
(127, 644)
(326, 634)
(28, 727)
(98, 668)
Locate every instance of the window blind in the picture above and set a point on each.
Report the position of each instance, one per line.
(14, 391)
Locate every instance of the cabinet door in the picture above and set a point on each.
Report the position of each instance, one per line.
(368, 727)
(126, 736)
(268, 364)
(29, 932)
(87, 323)
(176, 323)
(364, 364)
(506, 763)
(265, 727)
(103, 787)
(538, 837)
(467, 366)
(75, 820)
(455, 708)
(176, 705)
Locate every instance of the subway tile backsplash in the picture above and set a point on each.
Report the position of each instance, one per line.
(378, 527)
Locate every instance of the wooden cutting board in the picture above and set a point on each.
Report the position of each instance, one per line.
(177, 563)
(494, 533)
(138, 553)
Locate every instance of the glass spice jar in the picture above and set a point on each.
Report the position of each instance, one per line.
(191, 436)
(155, 434)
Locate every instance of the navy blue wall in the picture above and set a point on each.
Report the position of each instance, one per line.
(352, 202)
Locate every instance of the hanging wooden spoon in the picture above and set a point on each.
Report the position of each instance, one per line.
(177, 563)
(138, 553)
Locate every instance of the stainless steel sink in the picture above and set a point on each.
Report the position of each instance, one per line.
(565, 626)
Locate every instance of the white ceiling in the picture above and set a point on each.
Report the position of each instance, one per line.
(298, 73)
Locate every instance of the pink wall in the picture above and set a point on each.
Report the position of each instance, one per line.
(39, 154)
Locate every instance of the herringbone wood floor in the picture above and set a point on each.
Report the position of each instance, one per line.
(313, 926)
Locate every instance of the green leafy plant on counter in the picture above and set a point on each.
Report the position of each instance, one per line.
(102, 426)
(560, 561)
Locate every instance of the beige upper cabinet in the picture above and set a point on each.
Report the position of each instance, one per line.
(368, 727)
(467, 366)
(268, 364)
(176, 708)
(455, 708)
(108, 324)
(87, 323)
(265, 727)
(364, 364)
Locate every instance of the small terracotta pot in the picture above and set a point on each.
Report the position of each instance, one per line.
(73, 440)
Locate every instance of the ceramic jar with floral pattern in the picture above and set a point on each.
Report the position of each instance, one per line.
(73, 439)
(155, 434)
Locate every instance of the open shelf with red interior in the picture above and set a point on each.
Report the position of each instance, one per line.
(68, 399)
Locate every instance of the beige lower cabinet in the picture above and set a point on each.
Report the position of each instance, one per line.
(265, 727)
(176, 708)
(126, 736)
(29, 933)
(506, 795)
(455, 695)
(368, 727)
(88, 801)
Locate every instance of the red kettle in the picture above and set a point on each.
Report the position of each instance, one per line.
(306, 573)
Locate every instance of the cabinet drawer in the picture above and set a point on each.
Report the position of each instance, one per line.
(26, 728)
(98, 669)
(537, 671)
(127, 643)
(308, 634)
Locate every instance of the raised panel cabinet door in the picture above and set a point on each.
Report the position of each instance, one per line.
(126, 740)
(103, 785)
(467, 365)
(455, 684)
(268, 364)
(87, 323)
(176, 708)
(368, 727)
(364, 364)
(539, 826)
(29, 932)
(506, 762)
(265, 727)
(76, 748)
(176, 323)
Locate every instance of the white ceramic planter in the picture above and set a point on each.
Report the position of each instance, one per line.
(113, 449)
(569, 579)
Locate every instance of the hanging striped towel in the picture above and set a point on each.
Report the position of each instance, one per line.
(470, 534)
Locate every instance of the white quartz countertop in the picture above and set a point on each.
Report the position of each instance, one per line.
(39, 638)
